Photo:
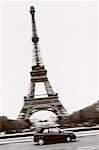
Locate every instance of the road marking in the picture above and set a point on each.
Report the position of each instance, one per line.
(93, 147)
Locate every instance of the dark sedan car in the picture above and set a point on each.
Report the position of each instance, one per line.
(53, 135)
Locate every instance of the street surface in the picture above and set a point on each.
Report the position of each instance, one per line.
(82, 143)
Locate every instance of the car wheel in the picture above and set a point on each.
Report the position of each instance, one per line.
(68, 139)
(40, 141)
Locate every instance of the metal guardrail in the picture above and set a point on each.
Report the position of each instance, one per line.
(83, 128)
(15, 135)
(22, 139)
(26, 134)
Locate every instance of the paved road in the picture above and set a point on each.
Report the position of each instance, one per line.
(82, 143)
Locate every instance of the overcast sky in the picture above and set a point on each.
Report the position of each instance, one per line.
(68, 44)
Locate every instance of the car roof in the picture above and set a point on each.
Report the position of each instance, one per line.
(42, 128)
(48, 127)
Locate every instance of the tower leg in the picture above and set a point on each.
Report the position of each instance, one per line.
(32, 90)
(48, 88)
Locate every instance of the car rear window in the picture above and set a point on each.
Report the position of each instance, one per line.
(46, 131)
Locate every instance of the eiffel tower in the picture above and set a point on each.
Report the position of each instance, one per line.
(38, 75)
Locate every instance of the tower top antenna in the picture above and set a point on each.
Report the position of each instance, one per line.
(35, 39)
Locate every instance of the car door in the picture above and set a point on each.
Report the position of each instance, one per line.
(55, 135)
(62, 136)
(46, 135)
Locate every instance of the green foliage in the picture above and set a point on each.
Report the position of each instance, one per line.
(13, 125)
(86, 117)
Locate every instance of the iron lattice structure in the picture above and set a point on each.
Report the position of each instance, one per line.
(39, 74)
